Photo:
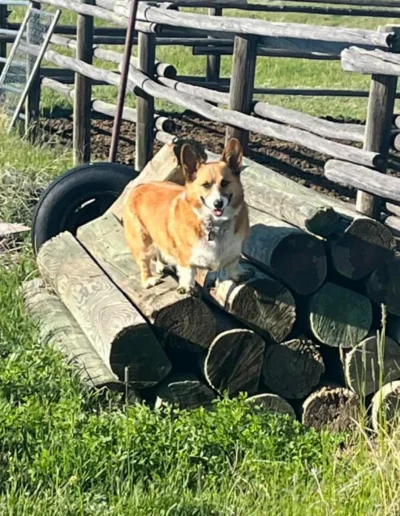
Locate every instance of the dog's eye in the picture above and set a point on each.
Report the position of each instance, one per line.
(224, 183)
(207, 186)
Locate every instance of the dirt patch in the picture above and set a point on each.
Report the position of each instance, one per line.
(302, 165)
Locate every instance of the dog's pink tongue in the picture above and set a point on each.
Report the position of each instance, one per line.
(218, 213)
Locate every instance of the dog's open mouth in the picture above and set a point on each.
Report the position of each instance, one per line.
(218, 213)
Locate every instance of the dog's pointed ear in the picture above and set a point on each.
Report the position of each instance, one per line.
(233, 155)
(191, 161)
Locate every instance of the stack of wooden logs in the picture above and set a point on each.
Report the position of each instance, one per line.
(300, 337)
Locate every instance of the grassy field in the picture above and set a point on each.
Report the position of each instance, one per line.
(65, 451)
(270, 72)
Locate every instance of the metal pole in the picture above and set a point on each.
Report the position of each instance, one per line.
(124, 79)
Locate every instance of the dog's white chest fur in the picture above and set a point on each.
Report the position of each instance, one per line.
(217, 248)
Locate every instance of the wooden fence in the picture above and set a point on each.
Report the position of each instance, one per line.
(151, 80)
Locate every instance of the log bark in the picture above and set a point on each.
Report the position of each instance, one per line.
(339, 317)
(325, 128)
(179, 321)
(356, 251)
(393, 209)
(383, 286)
(370, 364)
(262, 303)
(335, 409)
(257, 27)
(291, 255)
(185, 392)
(242, 84)
(363, 178)
(233, 362)
(370, 62)
(291, 208)
(386, 406)
(272, 403)
(60, 330)
(116, 330)
(292, 369)
(393, 224)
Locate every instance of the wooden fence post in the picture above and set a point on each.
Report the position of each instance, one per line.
(83, 89)
(213, 61)
(3, 25)
(242, 83)
(32, 104)
(145, 103)
(382, 98)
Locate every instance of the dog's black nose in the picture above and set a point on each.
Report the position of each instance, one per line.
(218, 203)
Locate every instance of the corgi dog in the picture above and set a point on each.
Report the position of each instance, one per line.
(201, 225)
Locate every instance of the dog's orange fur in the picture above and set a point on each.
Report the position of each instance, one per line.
(163, 219)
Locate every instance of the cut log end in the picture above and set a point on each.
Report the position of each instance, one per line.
(133, 351)
(185, 392)
(339, 317)
(324, 222)
(261, 302)
(292, 369)
(363, 247)
(383, 286)
(234, 362)
(386, 406)
(372, 363)
(336, 409)
(273, 403)
(188, 323)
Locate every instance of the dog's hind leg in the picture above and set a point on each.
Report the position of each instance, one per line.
(142, 248)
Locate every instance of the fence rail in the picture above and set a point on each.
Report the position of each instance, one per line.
(245, 38)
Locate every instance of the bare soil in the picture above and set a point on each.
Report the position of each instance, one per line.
(300, 164)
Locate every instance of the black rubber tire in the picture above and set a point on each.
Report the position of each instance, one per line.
(77, 197)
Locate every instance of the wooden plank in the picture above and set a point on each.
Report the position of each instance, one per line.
(257, 27)
(145, 103)
(378, 130)
(217, 48)
(291, 208)
(58, 329)
(180, 321)
(7, 228)
(364, 179)
(98, 12)
(83, 90)
(113, 326)
(241, 89)
(374, 62)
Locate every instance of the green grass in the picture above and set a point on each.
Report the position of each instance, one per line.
(270, 72)
(65, 451)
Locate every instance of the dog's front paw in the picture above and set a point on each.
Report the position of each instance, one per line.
(152, 282)
(192, 291)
